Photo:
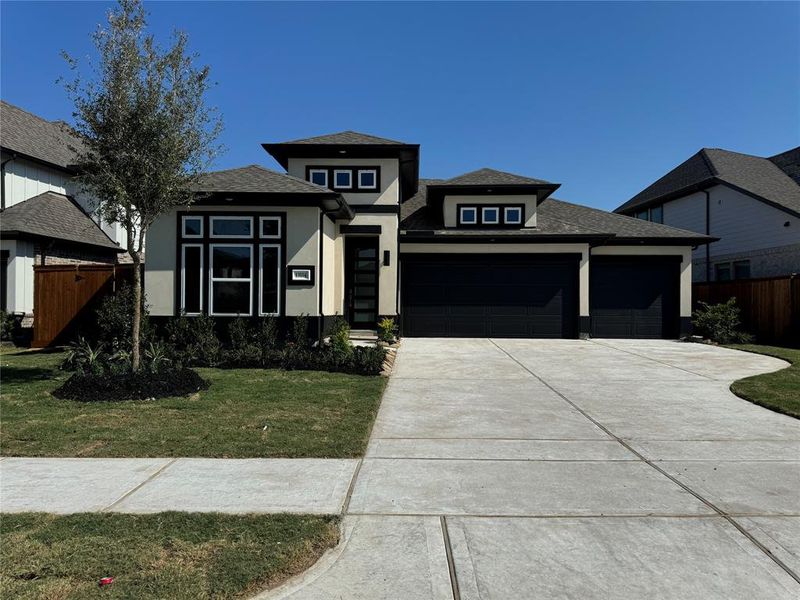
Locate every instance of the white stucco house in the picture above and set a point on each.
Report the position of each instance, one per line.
(44, 218)
(751, 203)
(349, 229)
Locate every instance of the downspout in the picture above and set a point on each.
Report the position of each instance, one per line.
(320, 270)
(3, 184)
(708, 232)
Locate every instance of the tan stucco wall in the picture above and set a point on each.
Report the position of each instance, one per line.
(302, 248)
(582, 249)
(685, 252)
(330, 261)
(451, 202)
(389, 192)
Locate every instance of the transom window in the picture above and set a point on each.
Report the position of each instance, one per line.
(231, 227)
(491, 215)
(239, 271)
(349, 179)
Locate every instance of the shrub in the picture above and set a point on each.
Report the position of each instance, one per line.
(90, 387)
(720, 322)
(6, 326)
(387, 330)
(368, 360)
(340, 343)
(244, 350)
(194, 341)
(268, 342)
(115, 320)
(84, 358)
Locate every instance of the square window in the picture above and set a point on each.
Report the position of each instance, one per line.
(193, 227)
(657, 214)
(343, 179)
(468, 215)
(490, 215)
(232, 227)
(318, 176)
(512, 215)
(642, 214)
(368, 179)
(741, 269)
(723, 271)
(271, 227)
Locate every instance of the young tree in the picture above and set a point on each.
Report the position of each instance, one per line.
(147, 133)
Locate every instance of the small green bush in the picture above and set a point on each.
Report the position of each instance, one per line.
(340, 343)
(720, 323)
(387, 330)
(82, 357)
(6, 326)
(244, 350)
(194, 341)
(115, 320)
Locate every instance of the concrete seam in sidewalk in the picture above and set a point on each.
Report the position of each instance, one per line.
(352, 486)
(136, 488)
(647, 461)
(451, 565)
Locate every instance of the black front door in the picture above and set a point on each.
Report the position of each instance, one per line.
(361, 281)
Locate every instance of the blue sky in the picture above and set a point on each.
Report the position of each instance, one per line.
(600, 97)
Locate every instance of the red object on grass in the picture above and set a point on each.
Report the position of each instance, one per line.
(105, 581)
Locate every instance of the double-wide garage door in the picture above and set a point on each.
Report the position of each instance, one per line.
(495, 295)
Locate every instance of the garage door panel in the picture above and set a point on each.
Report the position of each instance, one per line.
(489, 295)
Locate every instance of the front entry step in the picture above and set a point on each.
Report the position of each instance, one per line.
(363, 335)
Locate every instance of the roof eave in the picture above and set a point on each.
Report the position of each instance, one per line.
(72, 170)
(16, 234)
(623, 209)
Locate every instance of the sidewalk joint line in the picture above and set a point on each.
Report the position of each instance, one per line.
(649, 462)
(451, 564)
(351, 487)
(140, 486)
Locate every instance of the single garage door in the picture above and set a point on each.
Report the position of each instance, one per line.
(495, 295)
(634, 297)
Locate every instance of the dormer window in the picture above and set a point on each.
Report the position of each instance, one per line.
(318, 176)
(490, 215)
(342, 179)
(512, 215)
(468, 215)
(367, 179)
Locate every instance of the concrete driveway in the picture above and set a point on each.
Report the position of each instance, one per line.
(569, 469)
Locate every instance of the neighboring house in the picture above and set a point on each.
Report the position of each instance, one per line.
(752, 204)
(352, 231)
(44, 219)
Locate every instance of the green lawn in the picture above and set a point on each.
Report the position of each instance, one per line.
(245, 413)
(779, 391)
(166, 555)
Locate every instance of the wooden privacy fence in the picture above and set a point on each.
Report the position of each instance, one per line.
(770, 306)
(66, 296)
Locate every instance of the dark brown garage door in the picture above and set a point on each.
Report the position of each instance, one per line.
(635, 297)
(496, 295)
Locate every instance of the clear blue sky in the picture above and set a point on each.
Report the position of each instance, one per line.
(603, 98)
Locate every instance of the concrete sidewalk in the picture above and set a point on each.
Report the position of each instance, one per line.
(147, 485)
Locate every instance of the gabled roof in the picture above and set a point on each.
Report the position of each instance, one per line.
(346, 137)
(56, 216)
(258, 180)
(789, 163)
(488, 176)
(51, 142)
(764, 179)
(553, 218)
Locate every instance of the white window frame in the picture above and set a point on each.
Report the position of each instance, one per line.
(183, 278)
(505, 215)
(183, 226)
(261, 247)
(212, 279)
(374, 176)
(230, 218)
(311, 176)
(343, 187)
(483, 215)
(261, 228)
(462, 221)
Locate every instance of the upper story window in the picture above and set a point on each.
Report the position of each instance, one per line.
(654, 214)
(231, 227)
(192, 227)
(318, 176)
(490, 215)
(346, 179)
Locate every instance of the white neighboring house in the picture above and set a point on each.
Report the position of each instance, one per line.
(44, 218)
(751, 203)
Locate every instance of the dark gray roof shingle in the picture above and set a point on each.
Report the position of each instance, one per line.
(54, 215)
(762, 177)
(346, 138)
(256, 179)
(52, 142)
(488, 176)
(553, 217)
(789, 163)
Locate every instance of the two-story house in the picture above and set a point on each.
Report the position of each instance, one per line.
(350, 230)
(751, 203)
(44, 217)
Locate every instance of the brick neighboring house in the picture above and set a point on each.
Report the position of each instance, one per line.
(44, 217)
(751, 203)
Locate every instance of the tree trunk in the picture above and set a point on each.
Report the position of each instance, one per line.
(137, 311)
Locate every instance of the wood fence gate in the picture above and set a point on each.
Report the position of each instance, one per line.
(66, 296)
(770, 306)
